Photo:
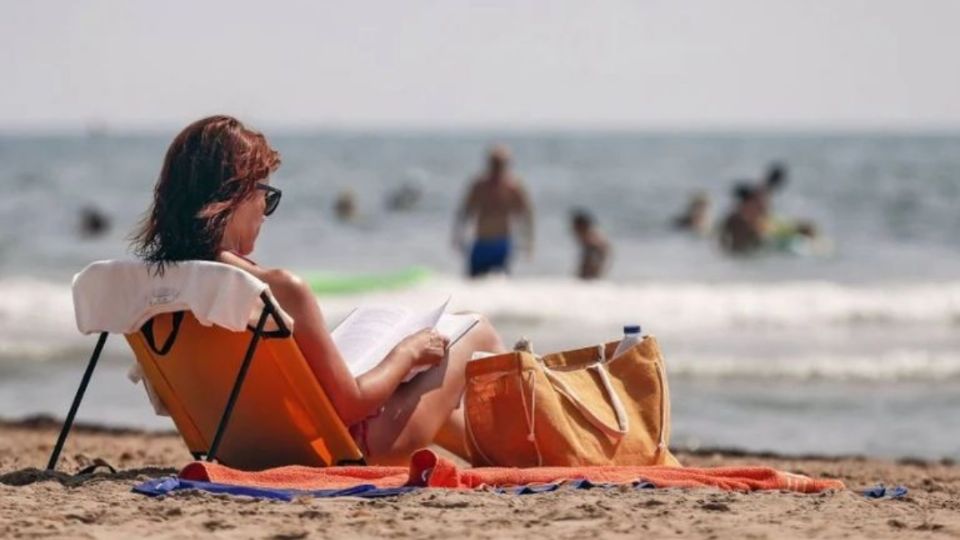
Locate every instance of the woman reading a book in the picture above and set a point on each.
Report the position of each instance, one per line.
(209, 204)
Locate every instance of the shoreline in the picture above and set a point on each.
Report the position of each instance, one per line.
(37, 503)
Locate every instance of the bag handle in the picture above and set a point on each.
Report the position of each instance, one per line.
(623, 424)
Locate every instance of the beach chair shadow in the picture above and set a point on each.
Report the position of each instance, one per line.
(240, 393)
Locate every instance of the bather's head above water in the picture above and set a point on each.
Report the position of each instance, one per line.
(498, 162)
(212, 194)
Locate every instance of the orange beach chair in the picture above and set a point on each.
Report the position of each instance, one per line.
(240, 393)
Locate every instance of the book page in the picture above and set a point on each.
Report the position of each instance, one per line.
(366, 336)
(454, 326)
(422, 321)
(369, 333)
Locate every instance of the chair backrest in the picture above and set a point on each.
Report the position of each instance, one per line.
(282, 415)
(189, 328)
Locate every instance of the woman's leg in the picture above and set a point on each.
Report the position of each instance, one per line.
(415, 414)
(451, 436)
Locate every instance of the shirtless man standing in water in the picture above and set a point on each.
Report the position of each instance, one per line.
(494, 198)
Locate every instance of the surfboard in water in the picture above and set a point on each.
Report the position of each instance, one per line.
(330, 283)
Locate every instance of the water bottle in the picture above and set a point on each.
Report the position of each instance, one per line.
(631, 336)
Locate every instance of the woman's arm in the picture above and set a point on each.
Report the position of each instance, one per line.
(424, 348)
(353, 398)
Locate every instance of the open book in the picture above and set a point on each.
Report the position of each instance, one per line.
(369, 333)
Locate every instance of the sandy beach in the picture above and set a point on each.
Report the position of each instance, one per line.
(35, 504)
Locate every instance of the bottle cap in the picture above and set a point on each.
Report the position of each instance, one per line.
(631, 329)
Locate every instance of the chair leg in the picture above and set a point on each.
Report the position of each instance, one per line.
(68, 423)
(235, 392)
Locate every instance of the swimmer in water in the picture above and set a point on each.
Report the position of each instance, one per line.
(594, 246)
(345, 207)
(93, 222)
(696, 217)
(493, 201)
(743, 230)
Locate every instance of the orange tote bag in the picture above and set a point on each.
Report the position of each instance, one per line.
(579, 407)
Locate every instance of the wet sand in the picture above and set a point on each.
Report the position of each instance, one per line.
(100, 505)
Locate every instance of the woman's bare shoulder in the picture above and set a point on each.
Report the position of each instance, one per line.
(272, 276)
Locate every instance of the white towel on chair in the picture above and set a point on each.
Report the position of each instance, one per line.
(120, 296)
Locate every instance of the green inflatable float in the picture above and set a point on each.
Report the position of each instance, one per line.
(332, 283)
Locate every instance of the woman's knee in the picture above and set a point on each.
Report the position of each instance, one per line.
(486, 336)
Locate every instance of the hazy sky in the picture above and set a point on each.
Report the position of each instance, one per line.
(445, 63)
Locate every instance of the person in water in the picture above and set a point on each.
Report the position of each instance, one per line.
(753, 225)
(345, 206)
(776, 177)
(93, 222)
(494, 199)
(594, 246)
(743, 230)
(408, 194)
(696, 217)
(210, 202)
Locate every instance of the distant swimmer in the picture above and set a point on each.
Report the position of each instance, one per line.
(594, 246)
(93, 222)
(493, 201)
(408, 194)
(696, 217)
(776, 177)
(743, 230)
(404, 198)
(752, 225)
(345, 207)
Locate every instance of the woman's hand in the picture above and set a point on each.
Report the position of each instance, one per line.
(425, 348)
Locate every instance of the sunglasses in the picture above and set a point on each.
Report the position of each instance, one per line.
(273, 198)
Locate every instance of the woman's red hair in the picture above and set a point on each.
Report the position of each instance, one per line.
(211, 167)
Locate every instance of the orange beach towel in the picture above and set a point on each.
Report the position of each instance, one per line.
(427, 469)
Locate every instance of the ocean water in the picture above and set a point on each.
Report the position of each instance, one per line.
(852, 351)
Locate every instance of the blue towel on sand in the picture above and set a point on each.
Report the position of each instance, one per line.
(167, 485)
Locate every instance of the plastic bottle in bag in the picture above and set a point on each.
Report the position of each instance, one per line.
(631, 336)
